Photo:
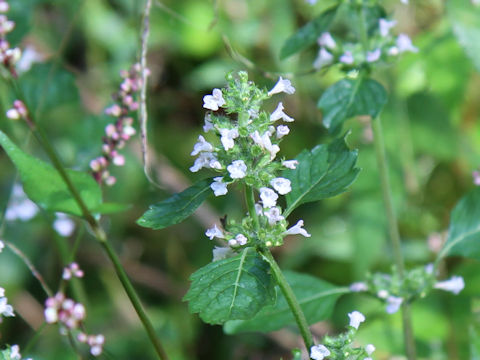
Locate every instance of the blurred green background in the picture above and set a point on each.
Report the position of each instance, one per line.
(433, 143)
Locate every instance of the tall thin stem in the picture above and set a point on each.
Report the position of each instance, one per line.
(393, 231)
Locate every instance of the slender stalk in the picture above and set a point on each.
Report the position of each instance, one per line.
(393, 231)
(279, 277)
(290, 297)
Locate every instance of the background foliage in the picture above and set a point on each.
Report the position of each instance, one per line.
(433, 142)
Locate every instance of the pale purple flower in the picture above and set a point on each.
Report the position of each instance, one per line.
(326, 40)
(282, 85)
(297, 229)
(311, 2)
(323, 58)
(64, 225)
(215, 232)
(347, 58)
(404, 2)
(268, 196)
(20, 207)
(265, 142)
(5, 309)
(290, 164)
(201, 145)
(356, 317)
(227, 136)
(274, 215)
(281, 185)
(237, 169)
(15, 353)
(374, 55)
(206, 159)
(476, 177)
(393, 304)
(214, 101)
(358, 287)
(4, 6)
(2, 246)
(208, 123)
(455, 284)
(282, 130)
(319, 352)
(241, 239)
(279, 114)
(369, 349)
(218, 186)
(385, 25)
(404, 43)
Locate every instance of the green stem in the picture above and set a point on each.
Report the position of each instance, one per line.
(250, 199)
(393, 231)
(291, 299)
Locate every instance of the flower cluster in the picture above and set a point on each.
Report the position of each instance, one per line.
(19, 111)
(12, 352)
(341, 346)
(63, 224)
(8, 55)
(247, 154)
(72, 270)
(382, 47)
(117, 133)
(6, 310)
(20, 207)
(416, 284)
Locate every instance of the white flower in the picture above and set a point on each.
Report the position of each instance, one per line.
(15, 353)
(374, 55)
(369, 349)
(290, 164)
(281, 185)
(220, 253)
(274, 215)
(404, 2)
(347, 58)
(385, 26)
(214, 101)
(326, 40)
(279, 114)
(312, 2)
(393, 304)
(265, 142)
(237, 169)
(297, 229)
(282, 85)
(258, 209)
(2, 292)
(319, 352)
(455, 284)
(64, 225)
(356, 317)
(227, 137)
(219, 188)
(429, 268)
(6, 309)
(208, 123)
(241, 239)
(268, 196)
(404, 43)
(20, 207)
(323, 58)
(214, 232)
(382, 294)
(201, 145)
(358, 287)
(206, 159)
(51, 315)
(393, 51)
(282, 130)
(2, 245)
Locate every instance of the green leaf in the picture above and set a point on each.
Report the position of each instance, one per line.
(44, 186)
(110, 208)
(464, 230)
(316, 298)
(465, 18)
(176, 208)
(351, 97)
(308, 34)
(230, 289)
(325, 171)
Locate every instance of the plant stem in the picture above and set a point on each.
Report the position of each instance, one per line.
(279, 277)
(290, 297)
(393, 231)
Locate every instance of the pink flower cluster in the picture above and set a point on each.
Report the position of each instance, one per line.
(117, 133)
(72, 270)
(8, 55)
(64, 311)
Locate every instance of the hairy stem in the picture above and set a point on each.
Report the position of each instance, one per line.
(393, 231)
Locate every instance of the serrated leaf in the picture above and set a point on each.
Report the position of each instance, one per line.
(325, 171)
(176, 208)
(351, 97)
(230, 289)
(465, 18)
(464, 230)
(316, 298)
(44, 186)
(308, 34)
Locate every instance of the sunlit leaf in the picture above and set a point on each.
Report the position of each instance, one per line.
(44, 186)
(230, 289)
(308, 34)
(325, 171)
(316, 297)
(464, 230)
(351, 97)
(177, 207)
